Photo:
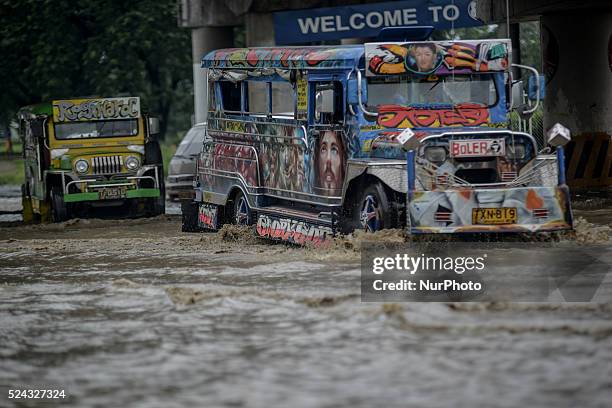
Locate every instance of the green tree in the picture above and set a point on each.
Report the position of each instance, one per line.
(55, 49)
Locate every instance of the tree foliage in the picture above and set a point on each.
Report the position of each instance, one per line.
(54, 49)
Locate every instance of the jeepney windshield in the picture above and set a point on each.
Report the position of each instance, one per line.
(96, 129)
(419, 90)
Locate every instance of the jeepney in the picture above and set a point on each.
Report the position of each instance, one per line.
(92, 152)
(307, 142)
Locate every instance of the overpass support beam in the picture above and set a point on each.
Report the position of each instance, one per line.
(577, 62)
(204, 40)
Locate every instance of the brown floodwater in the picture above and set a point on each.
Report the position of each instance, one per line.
(136, 313)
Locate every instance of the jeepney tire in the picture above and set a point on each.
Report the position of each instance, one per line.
(373, 199)
(189, 216)
(60, 210)
(241, 212)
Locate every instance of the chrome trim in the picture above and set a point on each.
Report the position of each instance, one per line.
(359, 92)
(537, 75)
(243, 145)
(108, 185)
(233, 174)
(111, 185)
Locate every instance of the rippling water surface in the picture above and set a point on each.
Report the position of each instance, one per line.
(135, 313)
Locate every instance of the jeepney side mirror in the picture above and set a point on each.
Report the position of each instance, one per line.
(37, 126)
(517, 94)
(153, 125)
(324, 103)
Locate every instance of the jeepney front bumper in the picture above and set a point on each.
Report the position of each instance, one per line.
(473, 210)
(116, 187)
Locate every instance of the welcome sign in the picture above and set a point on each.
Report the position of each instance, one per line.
(359, 21)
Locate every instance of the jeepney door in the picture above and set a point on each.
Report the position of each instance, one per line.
(326, 120)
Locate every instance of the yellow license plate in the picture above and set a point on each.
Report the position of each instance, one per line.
(494, 216)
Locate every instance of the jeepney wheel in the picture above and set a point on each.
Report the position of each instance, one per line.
(59, 209)
(242, 212)
(373, 211)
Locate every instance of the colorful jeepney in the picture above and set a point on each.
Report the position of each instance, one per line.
(308, 142)
(94, 152)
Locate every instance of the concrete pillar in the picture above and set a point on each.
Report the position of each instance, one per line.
(576, 52)
(514, 34)
(204, 40)
(259, 30)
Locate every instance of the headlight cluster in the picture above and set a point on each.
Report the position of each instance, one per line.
(81, 166)
(132, 163)
(435, 154)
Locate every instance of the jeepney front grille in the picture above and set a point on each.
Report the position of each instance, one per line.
(107, 164)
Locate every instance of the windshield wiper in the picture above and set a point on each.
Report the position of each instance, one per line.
(434, 85)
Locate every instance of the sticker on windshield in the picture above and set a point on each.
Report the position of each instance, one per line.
(477, 148)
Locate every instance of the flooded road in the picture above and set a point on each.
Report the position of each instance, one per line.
(136, 313)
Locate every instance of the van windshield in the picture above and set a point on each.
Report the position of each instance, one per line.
(419, 90)
(191, 143)
(98, 129)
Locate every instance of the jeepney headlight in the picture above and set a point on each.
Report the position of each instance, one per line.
(132, 163)
(81, 166)
(436, 154)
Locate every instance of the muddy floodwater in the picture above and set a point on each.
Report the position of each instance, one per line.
(135, 313)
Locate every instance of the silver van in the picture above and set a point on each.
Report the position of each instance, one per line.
(183, 165)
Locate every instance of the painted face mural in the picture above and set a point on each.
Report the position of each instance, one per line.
(330, 163)
(439, 58)
(425, 57)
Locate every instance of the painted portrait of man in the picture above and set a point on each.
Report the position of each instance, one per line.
(424, 58)
(331, 158)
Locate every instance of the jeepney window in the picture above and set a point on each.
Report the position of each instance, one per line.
(257, 101)
(283, 102)
(414, 90)
(230, 96)
(328, 102)
(96, 129)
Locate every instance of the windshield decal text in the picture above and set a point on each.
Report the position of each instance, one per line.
(74, 110)
(466, 114)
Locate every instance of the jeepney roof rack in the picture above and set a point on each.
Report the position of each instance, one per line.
(415, 33)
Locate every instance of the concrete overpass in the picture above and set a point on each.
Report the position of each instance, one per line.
(577, 61)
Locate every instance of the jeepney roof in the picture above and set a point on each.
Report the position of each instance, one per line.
(316, 57)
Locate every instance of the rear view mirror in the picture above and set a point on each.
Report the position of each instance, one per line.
(325, 101)
(517, 94)
(37, 126)
(533, 90)
(153, 125)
